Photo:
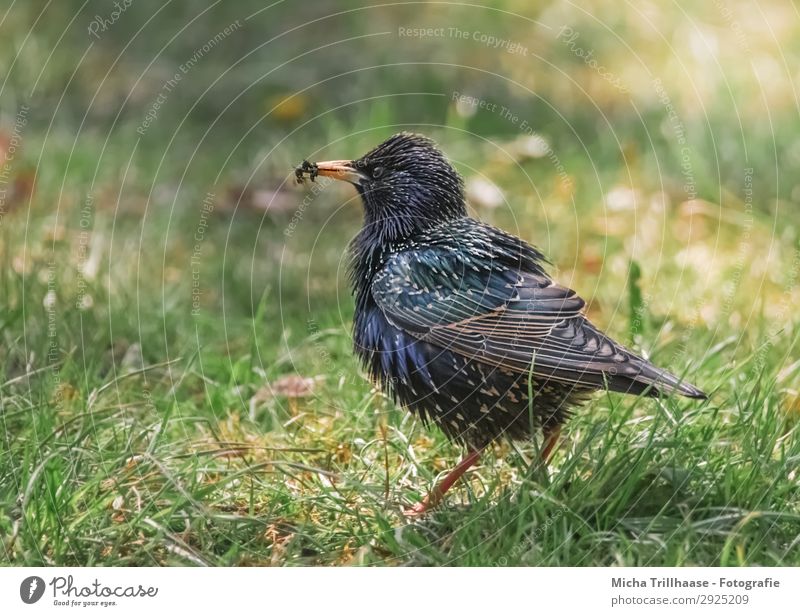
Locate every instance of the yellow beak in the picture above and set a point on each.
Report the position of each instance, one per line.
(340, 170)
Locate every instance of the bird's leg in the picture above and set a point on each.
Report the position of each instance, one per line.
(551, 436)
(434, 497)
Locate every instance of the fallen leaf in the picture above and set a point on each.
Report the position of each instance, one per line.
(294, 386)
(285, 107)
(483, 193)
(621, 198)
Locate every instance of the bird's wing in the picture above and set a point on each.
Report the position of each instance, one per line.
(497, 314)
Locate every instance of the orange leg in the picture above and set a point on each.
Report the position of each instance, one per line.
(551, 436)
(435, 495)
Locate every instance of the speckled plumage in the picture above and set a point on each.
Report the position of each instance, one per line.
(459, 321)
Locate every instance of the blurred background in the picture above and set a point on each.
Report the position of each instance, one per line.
(632, 128)
(150, 224)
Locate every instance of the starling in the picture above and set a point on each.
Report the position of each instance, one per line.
(459, 321)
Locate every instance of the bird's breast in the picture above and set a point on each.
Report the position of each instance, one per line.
(386, 351)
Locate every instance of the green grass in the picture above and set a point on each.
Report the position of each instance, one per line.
(142, 424)
(149, 435)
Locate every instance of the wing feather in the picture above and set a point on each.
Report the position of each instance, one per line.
(504, 316)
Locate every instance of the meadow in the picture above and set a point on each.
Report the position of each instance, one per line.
(177, 382)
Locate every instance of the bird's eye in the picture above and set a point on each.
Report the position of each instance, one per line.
(377, 172)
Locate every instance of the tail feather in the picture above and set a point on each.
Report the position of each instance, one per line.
(645, 378)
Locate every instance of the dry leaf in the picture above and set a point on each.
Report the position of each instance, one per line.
(483, 193)
(294, 386)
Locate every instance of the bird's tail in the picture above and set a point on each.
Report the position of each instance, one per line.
(645, 378)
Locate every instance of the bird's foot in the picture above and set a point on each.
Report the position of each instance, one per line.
(551, 436)
(417, 509)
(434, 497)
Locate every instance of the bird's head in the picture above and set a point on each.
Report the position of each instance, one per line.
(406, 184)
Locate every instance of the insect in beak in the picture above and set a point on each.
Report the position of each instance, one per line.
(344, 170)
(302, 169)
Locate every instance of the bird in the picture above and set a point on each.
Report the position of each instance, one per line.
(459, 321)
